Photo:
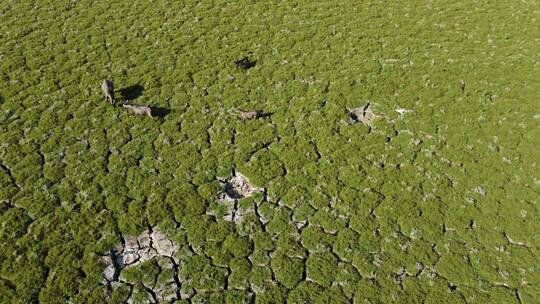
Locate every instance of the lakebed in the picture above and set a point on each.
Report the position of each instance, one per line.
(433, 200)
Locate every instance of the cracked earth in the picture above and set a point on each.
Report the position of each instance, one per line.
(394, 158)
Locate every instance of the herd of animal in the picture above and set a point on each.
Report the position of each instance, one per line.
(363, 114)
(108, 89)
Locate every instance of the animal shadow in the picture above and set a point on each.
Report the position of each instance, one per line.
(131, 92)
(264, 114)
(160, 112)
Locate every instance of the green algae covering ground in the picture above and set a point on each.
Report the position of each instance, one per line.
(436, 200)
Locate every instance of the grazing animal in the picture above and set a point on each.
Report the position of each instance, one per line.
(108, 89)
(244, 63)
(138, 109)
(248, 114)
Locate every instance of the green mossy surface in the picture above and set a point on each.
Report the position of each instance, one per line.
(436, 201)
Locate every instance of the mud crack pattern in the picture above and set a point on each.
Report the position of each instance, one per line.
(427, 194)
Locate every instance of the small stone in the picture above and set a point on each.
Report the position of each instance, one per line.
(300, 224)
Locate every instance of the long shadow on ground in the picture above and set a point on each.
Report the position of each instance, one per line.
(265, 114)
(160, 112)
(131, 92)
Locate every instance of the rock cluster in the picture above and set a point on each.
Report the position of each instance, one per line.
(235, 187)
(362, 114)
(149, 245)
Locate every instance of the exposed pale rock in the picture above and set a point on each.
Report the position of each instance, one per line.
(144, 239)
(110, 269)
(162, 244)
(402, 111)
(147, 254)
(131, 243)
(151, 244)
(238, 186)
(109, 272)
(130, 256)
(300, 224)
(235, 187)
(362, 114)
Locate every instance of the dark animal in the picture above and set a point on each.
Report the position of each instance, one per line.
(108, 89)
(138, 109)
(244, 63)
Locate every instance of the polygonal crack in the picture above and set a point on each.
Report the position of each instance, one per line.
(235, 187)
(152, 244)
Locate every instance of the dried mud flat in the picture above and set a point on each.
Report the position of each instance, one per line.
(396, 160)
(150, 247)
